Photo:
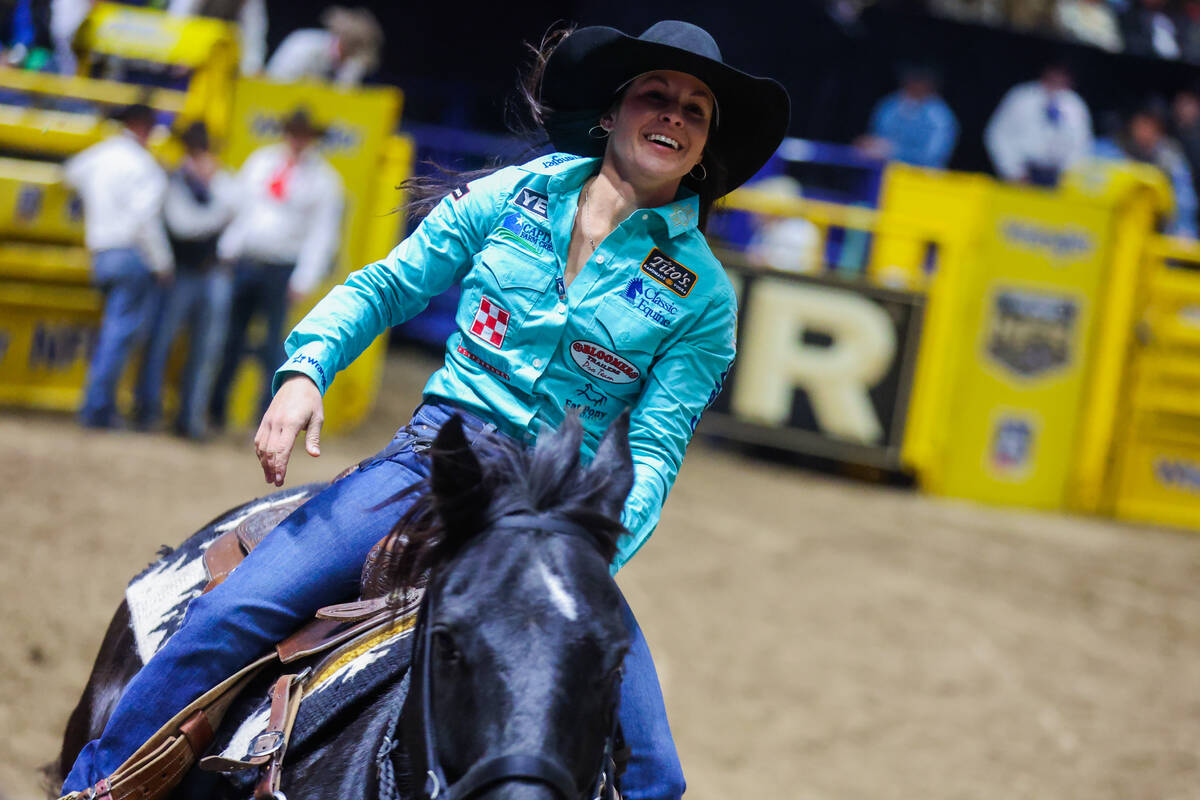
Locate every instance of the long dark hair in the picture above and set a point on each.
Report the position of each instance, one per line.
(525, 116)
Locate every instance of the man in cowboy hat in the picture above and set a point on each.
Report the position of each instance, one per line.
(345, 51)
(280, 244)
(122, 188)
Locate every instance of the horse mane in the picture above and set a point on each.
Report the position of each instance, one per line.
(547, 478)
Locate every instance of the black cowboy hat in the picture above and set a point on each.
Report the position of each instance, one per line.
(300, 123)
(586, 70)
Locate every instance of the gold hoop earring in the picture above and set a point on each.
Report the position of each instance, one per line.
(703, 172)
(603, 134)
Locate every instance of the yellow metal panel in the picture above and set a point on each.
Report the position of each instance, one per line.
(35, 205)
(150, 35)
(46, 333)
(44, 263)
(1029, 309)
(94, 89)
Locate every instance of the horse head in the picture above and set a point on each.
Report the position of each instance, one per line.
(521, 635)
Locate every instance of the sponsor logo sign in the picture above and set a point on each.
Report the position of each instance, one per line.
(491, 322)
(29, 202)
(653, 304)
(533, 202)
(602, 363)
(1178, 473)
(670, 273)
(1059, 242)
(1012, 444)
(458, 192)
(523, 234)
(1031, 333)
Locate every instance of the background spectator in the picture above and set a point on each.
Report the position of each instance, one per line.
(1149, 30)
(914, 124)
(1089, 21)
(200, 202)
(1189, 31)
(1185, 126)
(345, 51)
(282, 241)
(1039, 129)
(1144, 138)
(122, 188)
(65, 18)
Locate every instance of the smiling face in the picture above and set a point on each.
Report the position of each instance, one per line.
(659, 128)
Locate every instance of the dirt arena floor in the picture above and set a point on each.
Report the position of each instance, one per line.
(816, 637)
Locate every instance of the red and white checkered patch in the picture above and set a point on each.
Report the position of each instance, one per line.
(491, 321)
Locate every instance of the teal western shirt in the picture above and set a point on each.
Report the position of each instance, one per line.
(648, 324)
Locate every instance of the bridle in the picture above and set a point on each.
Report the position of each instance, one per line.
(534, 767)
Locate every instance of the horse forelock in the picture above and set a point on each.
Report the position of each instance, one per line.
(546, 479)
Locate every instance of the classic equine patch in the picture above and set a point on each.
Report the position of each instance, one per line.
(602, 363)
(491, 322)
(669, 272)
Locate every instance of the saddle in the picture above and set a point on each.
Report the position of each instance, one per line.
(158, 766)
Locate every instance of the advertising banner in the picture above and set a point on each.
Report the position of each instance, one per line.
(824, 367)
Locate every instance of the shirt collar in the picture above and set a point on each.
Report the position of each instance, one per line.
(679, 216)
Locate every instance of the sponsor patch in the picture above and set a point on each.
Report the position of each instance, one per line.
(533, 202)
(465, 353)
(523, 234)
(589, 403)
(1031, 333)
(670, 273)
(651, 303)
(557, 159)
(602, 363)
(491, 322)
(458, 191)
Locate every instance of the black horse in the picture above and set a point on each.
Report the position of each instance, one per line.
(518, 648)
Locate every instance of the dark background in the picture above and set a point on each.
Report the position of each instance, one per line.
(458, 62)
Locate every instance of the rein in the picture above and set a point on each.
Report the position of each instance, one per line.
(518, 766)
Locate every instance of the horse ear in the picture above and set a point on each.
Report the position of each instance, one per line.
(611, 472)
(457, 480)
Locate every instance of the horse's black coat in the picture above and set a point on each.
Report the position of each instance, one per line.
(517, 668)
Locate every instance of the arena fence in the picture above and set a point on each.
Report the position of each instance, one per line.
(49, 314)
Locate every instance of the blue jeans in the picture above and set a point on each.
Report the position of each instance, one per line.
(199, 300)
(130, 301)
(258, 288)
(312, 559)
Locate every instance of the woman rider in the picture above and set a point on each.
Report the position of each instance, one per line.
(586, 284)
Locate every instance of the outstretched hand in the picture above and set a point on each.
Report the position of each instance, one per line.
(297, 406)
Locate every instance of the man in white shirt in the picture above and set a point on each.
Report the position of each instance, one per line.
(282, 242)
(201, 199)
(1039, 129)
(122, 188)
(344, 51)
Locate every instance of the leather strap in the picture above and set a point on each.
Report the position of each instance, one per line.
(514, 767)
(222, 557)
(284, 705)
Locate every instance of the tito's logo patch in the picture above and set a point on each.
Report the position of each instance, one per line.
(670, 273)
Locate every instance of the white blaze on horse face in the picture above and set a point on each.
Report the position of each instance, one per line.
(559, 596)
